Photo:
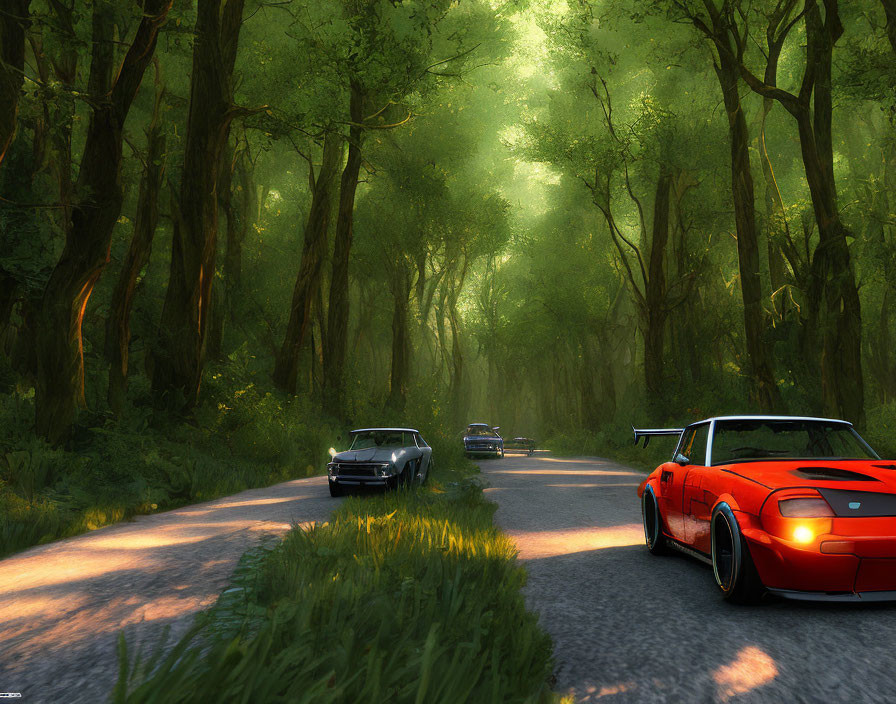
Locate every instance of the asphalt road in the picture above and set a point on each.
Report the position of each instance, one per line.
(631, 627)
(63, 605)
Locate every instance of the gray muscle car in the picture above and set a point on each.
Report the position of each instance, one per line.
(386, 457)
(482, 439)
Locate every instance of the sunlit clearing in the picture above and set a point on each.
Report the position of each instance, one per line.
(538, 544)
(752, 668)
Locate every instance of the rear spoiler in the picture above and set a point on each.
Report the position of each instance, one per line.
(648, 433)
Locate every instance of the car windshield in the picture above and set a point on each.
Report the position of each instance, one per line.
(751, 440)
(481, 430)
(380, 438)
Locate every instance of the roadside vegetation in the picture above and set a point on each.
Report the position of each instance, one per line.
(616, 441)
(144, 461)
(407, 596)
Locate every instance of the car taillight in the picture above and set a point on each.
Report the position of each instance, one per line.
(805, 508)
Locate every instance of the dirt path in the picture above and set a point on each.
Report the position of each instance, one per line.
(62, 605)
(630, 627)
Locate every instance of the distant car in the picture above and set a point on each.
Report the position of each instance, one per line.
(482, 439)
(383, 457)
(525, 444)
(799, 507)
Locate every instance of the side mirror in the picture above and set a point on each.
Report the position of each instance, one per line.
(496, 428)
(681, 459)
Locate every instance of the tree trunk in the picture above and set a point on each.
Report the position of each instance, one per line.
(338, 310)
(842, 384)
(398, 378)
(14, 22)
(308, 279)
(60, 365)
(179, 356)
(655, 290)
(118, 325)
(764, 392)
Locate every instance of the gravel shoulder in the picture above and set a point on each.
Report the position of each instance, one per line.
(631, 627)
(63, 605)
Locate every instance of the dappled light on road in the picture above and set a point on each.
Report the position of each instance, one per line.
(752, 668)
(593, 693)
(59, 600)
(538, 544)
(569, 473)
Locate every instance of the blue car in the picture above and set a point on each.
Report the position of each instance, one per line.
(482, 439)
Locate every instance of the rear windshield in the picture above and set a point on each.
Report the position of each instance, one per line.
(482, 431)
(752, 440)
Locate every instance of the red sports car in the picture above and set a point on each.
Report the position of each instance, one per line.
(799, 507)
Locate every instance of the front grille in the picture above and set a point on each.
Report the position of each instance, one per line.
(479, 446)
(860, 503)
(358, 469)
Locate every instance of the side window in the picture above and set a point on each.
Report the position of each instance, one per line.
(696, 449)
(687, 438)
(420, 441)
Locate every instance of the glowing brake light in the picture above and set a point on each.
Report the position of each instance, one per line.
(805, 508)
(803, 534)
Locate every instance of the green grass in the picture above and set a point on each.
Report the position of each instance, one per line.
(411, 596)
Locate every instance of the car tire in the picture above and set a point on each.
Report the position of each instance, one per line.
(406, 478)
(654, 537)
(732, 565)
(335, 489)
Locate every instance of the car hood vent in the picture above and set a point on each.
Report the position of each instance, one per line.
(828, 474)
(885, 466)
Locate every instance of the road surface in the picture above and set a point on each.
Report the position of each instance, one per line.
(631, 627)
(62, 605)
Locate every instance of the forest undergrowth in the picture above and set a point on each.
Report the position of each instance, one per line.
(408, 596)
(243, 436)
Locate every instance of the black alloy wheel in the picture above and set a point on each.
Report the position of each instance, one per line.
(732, 564)
(653, 524)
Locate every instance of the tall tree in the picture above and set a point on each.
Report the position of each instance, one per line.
(59, 350)
(179, 355)
(314, 248)
(834, 281)
(14, 23)
(338, 308)
(118, 322)
(719, 29)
